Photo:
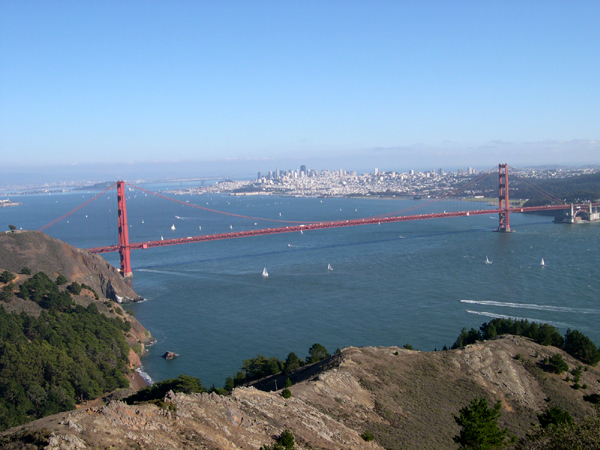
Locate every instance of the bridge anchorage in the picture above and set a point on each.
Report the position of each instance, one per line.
(579, 214)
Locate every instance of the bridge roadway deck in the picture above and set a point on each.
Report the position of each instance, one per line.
(319, 226)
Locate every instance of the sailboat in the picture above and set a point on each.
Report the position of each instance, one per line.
(487, 261)
(329, 267)
(162, 238)
(542, 263)
(265, 273)
(173, 227)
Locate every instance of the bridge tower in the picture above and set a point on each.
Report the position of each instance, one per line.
(124, 250)
(503, 203)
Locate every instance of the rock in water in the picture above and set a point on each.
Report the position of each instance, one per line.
(169, 355)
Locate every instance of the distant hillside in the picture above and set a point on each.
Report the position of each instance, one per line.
(95, 187)
(406, 399)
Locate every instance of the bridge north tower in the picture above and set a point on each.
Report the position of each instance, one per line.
(503, 201)
(124, 249)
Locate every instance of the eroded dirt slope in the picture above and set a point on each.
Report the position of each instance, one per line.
(406, 398)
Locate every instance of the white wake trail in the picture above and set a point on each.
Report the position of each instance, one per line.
(532, 306)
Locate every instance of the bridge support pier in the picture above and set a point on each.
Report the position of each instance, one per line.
(124, 250)
(503, 200)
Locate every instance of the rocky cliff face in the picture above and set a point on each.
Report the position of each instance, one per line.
(406, 398)
(41, 253)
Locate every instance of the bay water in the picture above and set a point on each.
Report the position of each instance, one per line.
(391, 284)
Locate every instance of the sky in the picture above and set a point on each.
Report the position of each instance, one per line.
(232, 87)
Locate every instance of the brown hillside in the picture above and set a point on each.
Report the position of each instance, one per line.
(41, 253)
(406, 398)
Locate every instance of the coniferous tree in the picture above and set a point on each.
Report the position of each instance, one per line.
(479, 426)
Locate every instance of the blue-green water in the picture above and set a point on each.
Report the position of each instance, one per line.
(392, 283)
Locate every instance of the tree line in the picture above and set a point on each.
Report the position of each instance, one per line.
(574, 342)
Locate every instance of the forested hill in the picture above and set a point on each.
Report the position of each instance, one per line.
(572, 189)
(580, 187)
(62, 341)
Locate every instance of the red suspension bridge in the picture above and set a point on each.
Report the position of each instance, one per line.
(247, 226)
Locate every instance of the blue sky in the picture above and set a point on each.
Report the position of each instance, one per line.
(254, 84)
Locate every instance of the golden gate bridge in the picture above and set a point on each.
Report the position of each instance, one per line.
(247, 226)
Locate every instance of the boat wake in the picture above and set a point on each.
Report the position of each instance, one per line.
(532, 306)
(167, 272)
(503, 316)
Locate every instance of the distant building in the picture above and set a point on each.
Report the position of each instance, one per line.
(277, 173)
(412, 172)
(303, 168)
(471, 171)
(376, 170)
(440, 172)
(259, 176)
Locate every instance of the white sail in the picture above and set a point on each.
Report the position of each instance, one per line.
(487, 261)
(265, 273)
(162, 238)
(542, 263)
(329, 267)
(173, 227)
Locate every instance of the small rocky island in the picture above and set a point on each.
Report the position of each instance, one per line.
(169, 355)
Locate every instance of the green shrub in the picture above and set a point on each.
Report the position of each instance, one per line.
(367, 436)
(7, 277)
(284, 442)
(60, 280)
(286, 393)
(26, 271)
(557, 364)
(288, 383)
(74, 288)
(408, 347)
(6, 294)
(554, 416)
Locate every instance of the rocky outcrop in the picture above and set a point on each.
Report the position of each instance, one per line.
(407, 399)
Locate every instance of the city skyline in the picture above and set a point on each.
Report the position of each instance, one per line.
(227, 88)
